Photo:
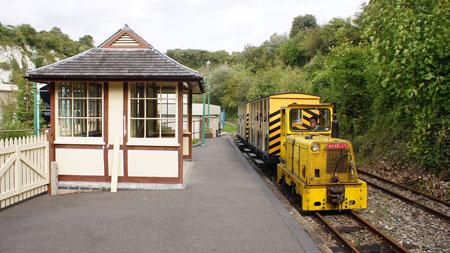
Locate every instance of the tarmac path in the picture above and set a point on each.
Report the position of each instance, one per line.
(222, 209)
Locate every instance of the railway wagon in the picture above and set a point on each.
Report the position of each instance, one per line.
(259, 123)
(242, 127)
(318, 167)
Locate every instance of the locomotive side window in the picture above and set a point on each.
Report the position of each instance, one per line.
(310, 119)
(295, 117)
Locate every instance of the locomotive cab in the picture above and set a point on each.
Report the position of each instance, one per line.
(319, 168)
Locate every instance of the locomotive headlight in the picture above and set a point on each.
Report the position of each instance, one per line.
(315, 147)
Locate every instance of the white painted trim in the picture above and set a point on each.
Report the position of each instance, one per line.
(156, 142)
(129, 186)
(80, 140)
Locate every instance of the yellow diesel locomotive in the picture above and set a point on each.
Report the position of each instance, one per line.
(318, 167)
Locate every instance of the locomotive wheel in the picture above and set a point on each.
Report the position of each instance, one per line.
(293, 190)
(298, 202)
(282, 181)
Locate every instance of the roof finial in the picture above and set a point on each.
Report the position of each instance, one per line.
(125, 27)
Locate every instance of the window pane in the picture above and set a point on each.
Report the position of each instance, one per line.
(137, 128)
(137, 90)
(152, 108)
(168, 92)
(296, 120)
(77, 110)
(79, 90)
(152, 128)
(185, 112)
(65, 90)
(137, 108)
(95, 127)
(168, 128)
(95, 108)
(152, 90)
(79, 107)
(65, 127)
(167, 108)
(79, 127)
(64, 107)
(95, 90)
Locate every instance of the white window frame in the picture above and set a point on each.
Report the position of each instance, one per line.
(75, 139)
(152, 141)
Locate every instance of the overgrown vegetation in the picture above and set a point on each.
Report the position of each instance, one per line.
(387, 68)
(50, 46)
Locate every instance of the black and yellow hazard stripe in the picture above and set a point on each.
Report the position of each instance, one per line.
(246, 127)
(274, 133)
(307, 115)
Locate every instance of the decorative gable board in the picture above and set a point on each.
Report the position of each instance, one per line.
(125, 39)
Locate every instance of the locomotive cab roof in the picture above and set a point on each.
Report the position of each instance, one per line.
(307, 105)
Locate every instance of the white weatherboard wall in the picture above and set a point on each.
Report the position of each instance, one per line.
(87, 162)
(115, 107)
(149, 163)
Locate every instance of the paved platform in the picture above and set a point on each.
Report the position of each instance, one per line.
(224, 208)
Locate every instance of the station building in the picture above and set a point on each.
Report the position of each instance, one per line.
(127, 91)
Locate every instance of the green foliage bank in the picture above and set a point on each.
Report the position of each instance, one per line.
(387, 68)
(51, 46)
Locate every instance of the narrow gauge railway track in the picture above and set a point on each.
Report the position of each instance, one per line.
(337, 231)
(426, 203)
(388, 245)
(446, 203)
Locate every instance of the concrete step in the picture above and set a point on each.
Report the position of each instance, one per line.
(252, 154)
(246, 149)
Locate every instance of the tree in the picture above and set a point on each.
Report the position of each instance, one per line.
(302, 23)
(346, 78)
(410, 40)
(336, 32)
(87, 40)
(299, 50)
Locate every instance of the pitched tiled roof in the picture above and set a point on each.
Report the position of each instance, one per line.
(112, 62)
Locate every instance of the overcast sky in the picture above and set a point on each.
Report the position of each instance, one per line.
(168, 24)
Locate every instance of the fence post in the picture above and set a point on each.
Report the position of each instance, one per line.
(17, 169)
(54, 179)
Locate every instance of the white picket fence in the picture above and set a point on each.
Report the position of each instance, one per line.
(24, 168)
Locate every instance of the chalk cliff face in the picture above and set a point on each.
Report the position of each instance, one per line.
(9, 54)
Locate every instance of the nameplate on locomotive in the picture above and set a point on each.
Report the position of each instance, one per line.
(337, 146)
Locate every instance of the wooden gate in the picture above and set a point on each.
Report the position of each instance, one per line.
(24, 168)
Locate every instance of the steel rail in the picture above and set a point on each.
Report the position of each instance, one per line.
(375, 230)
(426, 208)
(336, 232)
(406, 187)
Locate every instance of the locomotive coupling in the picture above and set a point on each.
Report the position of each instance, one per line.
(336, 195)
